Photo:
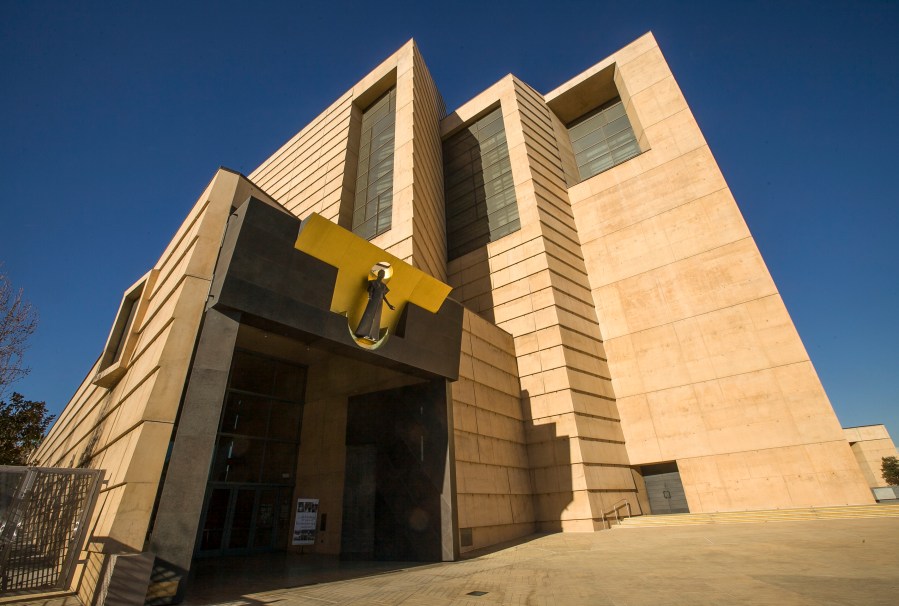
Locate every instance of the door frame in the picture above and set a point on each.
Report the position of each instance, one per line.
(234, 489)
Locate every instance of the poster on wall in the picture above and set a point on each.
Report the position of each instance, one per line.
(306, 522)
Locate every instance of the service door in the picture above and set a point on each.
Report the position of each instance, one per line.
(664, 489)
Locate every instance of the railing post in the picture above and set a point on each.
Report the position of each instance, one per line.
(614, 510)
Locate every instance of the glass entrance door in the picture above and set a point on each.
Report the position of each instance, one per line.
(244, 519)
(251, 480)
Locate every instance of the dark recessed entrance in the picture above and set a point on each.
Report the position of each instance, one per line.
(396, 459)
(247, 505)
(240, 520)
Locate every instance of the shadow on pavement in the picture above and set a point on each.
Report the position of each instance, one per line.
(228, 579)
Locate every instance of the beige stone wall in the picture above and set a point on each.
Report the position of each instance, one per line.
(493, 482)
(307, 173)
(533, 283)
(315, 170)
(126, 430)
(424, 149)
(870, 443)
(707, 366)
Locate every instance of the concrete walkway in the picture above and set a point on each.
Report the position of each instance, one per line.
(813, 562)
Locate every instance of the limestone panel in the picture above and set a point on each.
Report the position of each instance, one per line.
(314, 170)
(704, 359)
(493, 481)
(660, 189)
(870, 444)
(781, 477)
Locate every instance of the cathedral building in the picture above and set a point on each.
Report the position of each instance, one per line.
(412, 333)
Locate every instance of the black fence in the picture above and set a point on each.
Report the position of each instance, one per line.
(44, 514)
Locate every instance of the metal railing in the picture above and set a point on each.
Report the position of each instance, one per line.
(44, 515)
(614, 510)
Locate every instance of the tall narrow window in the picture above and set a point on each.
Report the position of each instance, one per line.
(123, 337)
(261, 421)
(602, 139)
(480, 196)
(374, 174)
(253, 474)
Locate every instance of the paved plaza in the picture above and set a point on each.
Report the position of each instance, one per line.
(774, 563)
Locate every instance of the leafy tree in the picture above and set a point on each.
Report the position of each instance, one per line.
(17, 322)
(22, 427)
(889, 468)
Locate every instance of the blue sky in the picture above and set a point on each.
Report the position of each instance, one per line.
(115, 115)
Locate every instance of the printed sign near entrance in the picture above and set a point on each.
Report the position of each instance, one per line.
(306, 522)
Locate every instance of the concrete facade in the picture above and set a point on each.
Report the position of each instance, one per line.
(870, 444)
(629, 323)
(707, 367)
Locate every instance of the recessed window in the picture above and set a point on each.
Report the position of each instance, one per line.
(602, 139)
(261, 421)
(373, 204)
(480, 196)
(123, 336)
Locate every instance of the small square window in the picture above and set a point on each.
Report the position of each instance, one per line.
(602, 139)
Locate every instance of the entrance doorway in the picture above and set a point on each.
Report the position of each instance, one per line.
(251, 482)
(245, 519)
(664, 489)
(396, 460)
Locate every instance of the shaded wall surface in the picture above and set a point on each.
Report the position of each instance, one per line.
(396, 460)
(534, 285)
(322, 461)
(494, 485)
(870, 444)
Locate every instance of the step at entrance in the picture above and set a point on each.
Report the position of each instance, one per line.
(763, 516)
